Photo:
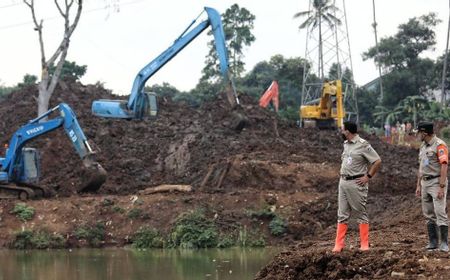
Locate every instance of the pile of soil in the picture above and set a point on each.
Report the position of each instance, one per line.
(271, 162)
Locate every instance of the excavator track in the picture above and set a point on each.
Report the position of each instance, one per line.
(39, 191)
(22, 193)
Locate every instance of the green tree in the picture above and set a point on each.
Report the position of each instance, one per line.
(320, 12)
(289, 74)
(27, 80)
(408, 73)
(402, 50)
(164, 90)
(70, 70)
(237, 25)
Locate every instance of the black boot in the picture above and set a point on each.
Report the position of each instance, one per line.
(444, 238)
(432, 236)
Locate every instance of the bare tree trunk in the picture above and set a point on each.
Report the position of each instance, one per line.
(48, 83)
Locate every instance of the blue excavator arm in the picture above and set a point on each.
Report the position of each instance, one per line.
(11, 166)
(141, 104)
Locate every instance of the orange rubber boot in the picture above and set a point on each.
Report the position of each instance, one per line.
(364, 236)
(340, 237)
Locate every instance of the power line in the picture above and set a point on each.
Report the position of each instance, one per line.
(14, 25)
(9, 5)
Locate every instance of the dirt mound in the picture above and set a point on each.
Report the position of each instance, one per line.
(186, 145)
(270, 162)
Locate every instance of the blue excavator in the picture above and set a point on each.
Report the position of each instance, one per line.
(20, 168)
(141, 104)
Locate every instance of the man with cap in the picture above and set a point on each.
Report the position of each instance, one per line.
(360, 162)
(432, 185)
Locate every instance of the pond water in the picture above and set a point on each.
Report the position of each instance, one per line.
(123, 264)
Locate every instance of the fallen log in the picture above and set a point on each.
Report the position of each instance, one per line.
(166, 188)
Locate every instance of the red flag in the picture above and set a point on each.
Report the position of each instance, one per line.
(271, 94)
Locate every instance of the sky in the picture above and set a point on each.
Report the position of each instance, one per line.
(117, 38)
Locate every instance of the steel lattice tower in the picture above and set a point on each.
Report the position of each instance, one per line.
(335, 51)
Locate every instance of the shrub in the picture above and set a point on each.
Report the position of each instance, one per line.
(250, 239)
(194, 230)
(92, 234)
(134, 213)
(277, 226)
(147, 238)
(23, 240)
(41, 239)
(107, 202)
(23, 212)
(445, 134)
(118, 209)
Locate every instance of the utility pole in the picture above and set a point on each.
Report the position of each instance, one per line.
(380, 79)
(444, 71)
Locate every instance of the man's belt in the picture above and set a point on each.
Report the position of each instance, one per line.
(430, 177)
(347, 177)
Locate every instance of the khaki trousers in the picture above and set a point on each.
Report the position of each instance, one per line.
(434, 209)
(352, 199)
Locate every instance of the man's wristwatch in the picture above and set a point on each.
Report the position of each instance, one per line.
(369, 176)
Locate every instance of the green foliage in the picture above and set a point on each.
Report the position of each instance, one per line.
(237, 25)
(118, 209)
(277, 226)
(322, 11)
(403, 49)
(147, 238)
(23, 240)
(226, 241)
(250, 238)
(4, 91)
(28, 80)
(134, 213)
(445, 134)
(164, 90)
(23, 212)
(107, 202)
(194, 230)
(262, 213)
(41, 239)
(70, 70)
(94, 235)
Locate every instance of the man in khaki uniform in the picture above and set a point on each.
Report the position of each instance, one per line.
(357, 157)
(432, 185)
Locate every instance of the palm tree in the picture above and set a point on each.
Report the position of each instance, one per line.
(321, 11)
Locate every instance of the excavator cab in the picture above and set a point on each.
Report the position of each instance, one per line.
(326, 112)
(146, 107)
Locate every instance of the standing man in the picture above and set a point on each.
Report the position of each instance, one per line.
(360, 162)
(432, 185)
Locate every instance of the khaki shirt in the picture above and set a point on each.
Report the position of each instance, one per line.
(357, 156)
(429, 164)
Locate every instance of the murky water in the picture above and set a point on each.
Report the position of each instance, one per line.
(124, 264)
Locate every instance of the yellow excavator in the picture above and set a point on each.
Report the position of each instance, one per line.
(329, 113)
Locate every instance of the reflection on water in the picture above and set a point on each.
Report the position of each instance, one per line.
(123, 264)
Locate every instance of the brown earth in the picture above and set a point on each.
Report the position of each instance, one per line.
(270, 162)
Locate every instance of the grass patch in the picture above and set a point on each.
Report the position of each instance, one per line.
(23, 212)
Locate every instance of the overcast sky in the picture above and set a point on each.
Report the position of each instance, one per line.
(116, 42)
